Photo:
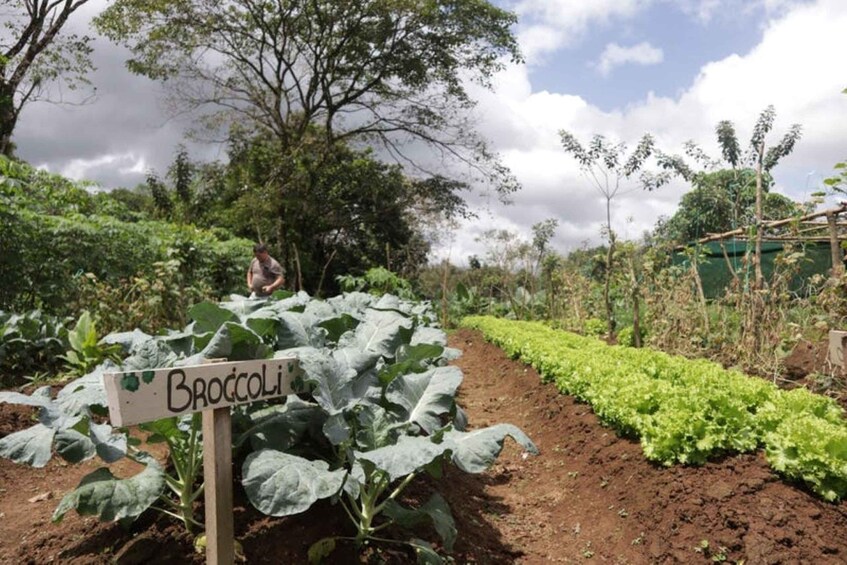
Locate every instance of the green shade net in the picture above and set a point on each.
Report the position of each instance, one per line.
(716, 276)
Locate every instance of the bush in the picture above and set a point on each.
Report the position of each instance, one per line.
(594, 327)
(627, 336)
(47, 254)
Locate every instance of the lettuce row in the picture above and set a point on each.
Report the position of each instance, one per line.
(686, 411)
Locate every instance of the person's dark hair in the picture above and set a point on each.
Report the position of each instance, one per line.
(260, 248)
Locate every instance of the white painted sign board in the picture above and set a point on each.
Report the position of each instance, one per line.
(143, 396)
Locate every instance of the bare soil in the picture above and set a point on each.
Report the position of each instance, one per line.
(590, 497)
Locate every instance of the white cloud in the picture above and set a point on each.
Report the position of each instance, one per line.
(125, 163)
(615, 55)
(794, 67)
(552, 24)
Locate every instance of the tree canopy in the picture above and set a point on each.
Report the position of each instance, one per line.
(387, 71)
(35, 51)
(721, 201)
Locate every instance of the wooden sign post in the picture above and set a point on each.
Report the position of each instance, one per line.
(142, 396)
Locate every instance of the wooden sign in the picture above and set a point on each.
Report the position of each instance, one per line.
(143, 396)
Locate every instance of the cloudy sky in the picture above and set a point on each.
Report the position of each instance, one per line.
(620, 68)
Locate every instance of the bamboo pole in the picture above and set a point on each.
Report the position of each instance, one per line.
(770, 224)
(835, 247)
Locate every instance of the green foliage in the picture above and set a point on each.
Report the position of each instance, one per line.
(86, 352)
(54, 230)
(687, 411)
(838, 182)
(40, 48)
(594, 327)
(376, 410)
(149, 302)
(30, 345)
(408, 63)
(723, 200)
(377, 281)
(325, 212)
(626, 336)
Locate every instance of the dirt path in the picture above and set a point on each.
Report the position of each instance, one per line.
(590, 497)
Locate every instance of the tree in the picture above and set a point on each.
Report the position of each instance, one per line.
(721, 201)
(755, 158)
(343, 210)
(607, 166)
(384, 71)
(35, 52)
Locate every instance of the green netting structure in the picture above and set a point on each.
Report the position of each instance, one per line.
(716, 276)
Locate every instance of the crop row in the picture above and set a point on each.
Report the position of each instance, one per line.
(686, 411)
(376, 408)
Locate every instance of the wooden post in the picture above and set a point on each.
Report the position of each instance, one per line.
(834, 247)
(217, 474)
(211, 388)
(837, 343)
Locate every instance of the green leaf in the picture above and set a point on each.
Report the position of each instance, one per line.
(280, 427)
(411, 359)
(127, 340)
(424, 397)
(428, 334)
(235, 342)
(381, 332)
(209, 317)
(409, 454)
(333, 383)
(73, 446)
(279, 484)
(320, 550)
(40, 397)
(475, 451)
(336, 327)
(424, 553)
(436, 511)
(151, 354)
(377, 428)
(31, 446)
(101, 494)
(295, 330)
(110, 447)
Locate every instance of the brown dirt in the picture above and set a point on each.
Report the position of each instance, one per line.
(589, 497)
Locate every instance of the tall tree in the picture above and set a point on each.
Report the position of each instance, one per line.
(35, 51)
(608, 167)
(722, 201)
(382, 71)
(758, 157)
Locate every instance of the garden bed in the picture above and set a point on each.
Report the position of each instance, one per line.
(590, 496)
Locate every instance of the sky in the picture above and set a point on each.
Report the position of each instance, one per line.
(620, 68)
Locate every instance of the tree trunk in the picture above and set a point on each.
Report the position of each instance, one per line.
(607, 300)
(610, 256)
(757, 257)
(8, 119)
(445, 311)
(636, 304)
(698, 282)
(835, 247)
